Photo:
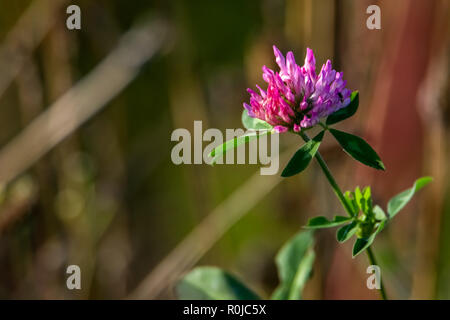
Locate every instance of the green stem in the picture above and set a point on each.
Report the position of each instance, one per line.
(373, 262)
(330, 177)
(344, 202)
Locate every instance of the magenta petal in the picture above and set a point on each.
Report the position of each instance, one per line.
(262, 92)
(295, 91)
(249, 110)
(303, 105)
(280, 129)
(291, 65)
(310, 60)
(279, 58)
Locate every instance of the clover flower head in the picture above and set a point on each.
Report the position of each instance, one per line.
(296, 97)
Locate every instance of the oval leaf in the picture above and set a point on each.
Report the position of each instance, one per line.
(294, 261)
(210, 283)
(346, 112)
(346, 232)
(303, 156)
(358, 149)
(221, 150)
(254, 123)
(400, 200)
(322, 222)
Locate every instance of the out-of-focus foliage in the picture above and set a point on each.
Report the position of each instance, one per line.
(210, 283)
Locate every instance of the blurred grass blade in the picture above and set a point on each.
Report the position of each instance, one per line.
(84, 100)
(379, 213)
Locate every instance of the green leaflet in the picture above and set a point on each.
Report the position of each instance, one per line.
(303, 156)
(323, 222)
(362, 244)
(221, 150)
(399, 201)
(358, 149)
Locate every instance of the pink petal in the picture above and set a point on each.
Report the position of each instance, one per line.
(280, 129)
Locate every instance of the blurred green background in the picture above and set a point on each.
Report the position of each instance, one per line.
(107, 197)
